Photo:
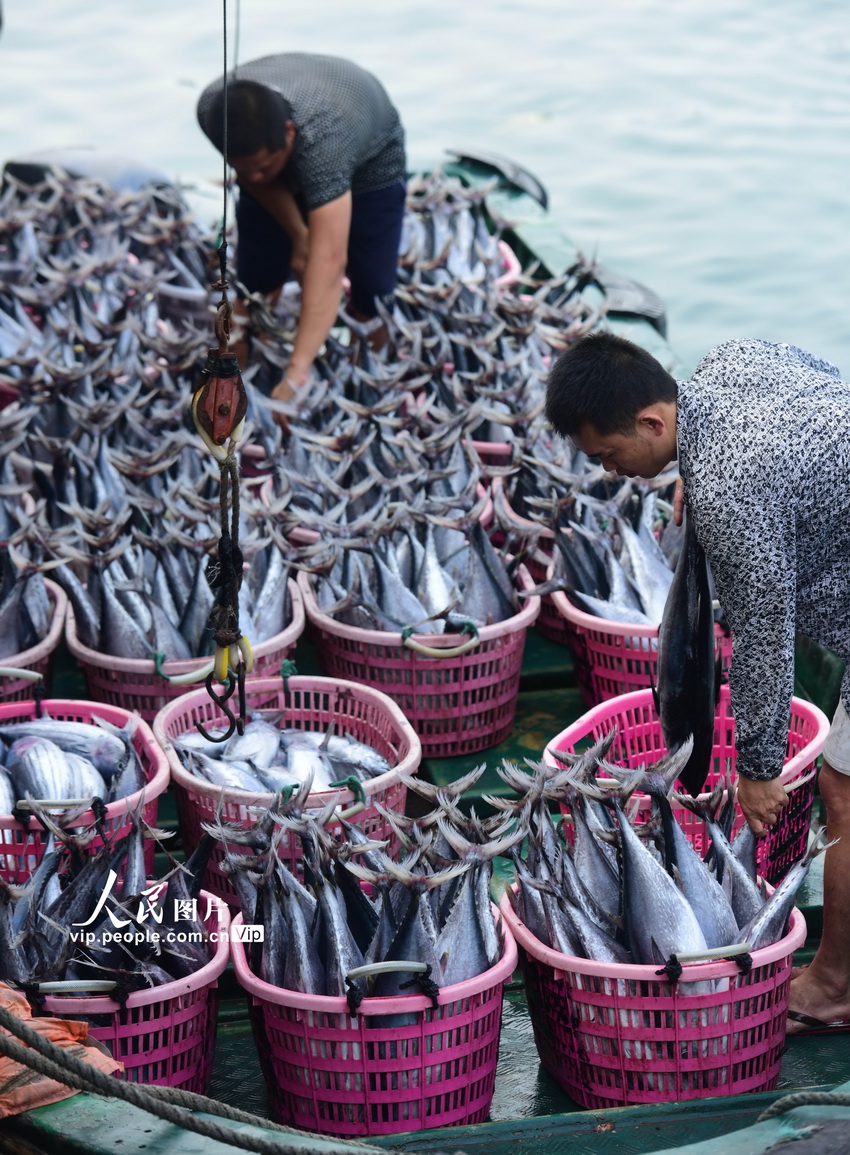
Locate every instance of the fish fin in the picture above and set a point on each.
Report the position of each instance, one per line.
(361, 872)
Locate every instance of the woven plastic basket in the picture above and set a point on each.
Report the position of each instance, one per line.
(639, 740)
(458, 704)
(614, 1035)
(305, 703)
(134, 683)
(371, 1074)
(40, 657)
(22, 847)
(615, 658)
(166, 1035)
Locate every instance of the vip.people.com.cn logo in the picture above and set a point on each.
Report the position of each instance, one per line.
(144, 927)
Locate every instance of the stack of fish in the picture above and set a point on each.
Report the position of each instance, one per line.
(625, 894)
(431, 909)
(140, 590)
(70, 924)
(267, 760)
(613, 545)
(26, 610)
(55, 759)
(104, 361)
(435, 581)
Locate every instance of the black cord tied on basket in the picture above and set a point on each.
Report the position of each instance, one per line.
(672, 969)
(744, 961)
(426, 984)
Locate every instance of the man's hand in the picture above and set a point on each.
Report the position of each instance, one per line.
(761, 802)
(286, 391)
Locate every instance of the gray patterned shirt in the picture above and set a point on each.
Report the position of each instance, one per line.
(764, 454)
(349, 135)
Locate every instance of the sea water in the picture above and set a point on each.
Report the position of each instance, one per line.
(700, 146)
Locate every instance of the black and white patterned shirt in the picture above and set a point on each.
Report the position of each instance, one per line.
(349, 135)
(764, 453)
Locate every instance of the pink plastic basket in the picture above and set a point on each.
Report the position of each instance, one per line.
(614, 658)
(166, 1035)
(346, 1075)
(639, 740)
(134, 684)
(306, 704)
(458, 704)
(22, 847)
(40, 657)
(614, 1035)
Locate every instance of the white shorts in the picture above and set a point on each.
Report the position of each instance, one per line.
(836, 748)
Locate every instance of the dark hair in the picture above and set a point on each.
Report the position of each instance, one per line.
(256, 118)
(604, 381)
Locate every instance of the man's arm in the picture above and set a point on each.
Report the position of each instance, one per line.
(321, 289)
(752, 551)
(280, 204)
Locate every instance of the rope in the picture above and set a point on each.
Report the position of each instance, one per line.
(805, 1099)
(167, 1103)
(224, 617)
(222, 243)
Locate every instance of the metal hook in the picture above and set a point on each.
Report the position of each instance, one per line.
(221, 700)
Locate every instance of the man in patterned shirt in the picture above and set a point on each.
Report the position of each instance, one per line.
(318, 151)
(761, 437)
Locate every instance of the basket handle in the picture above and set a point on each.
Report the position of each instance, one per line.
(182, 679)
(382, 968)
(17, 672)
(429, 987)
(798, 782)
(430, 652)
(53, 803)
(74, 986)
(717, 952)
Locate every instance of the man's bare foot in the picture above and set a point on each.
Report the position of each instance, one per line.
(816, 999)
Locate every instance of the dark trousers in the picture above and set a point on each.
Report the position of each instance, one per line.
(264, 250)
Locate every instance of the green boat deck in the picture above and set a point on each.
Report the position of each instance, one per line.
(530, 1112)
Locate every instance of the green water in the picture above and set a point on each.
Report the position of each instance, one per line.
(702, 148)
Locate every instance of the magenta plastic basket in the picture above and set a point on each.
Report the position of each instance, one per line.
(614, 658)
(22, 847)
(166, 1035)
(616, 1035)
(305, 703)
(134, 684)
(458, 704)
(639, 740)
(39, 658)
(347, 1075)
